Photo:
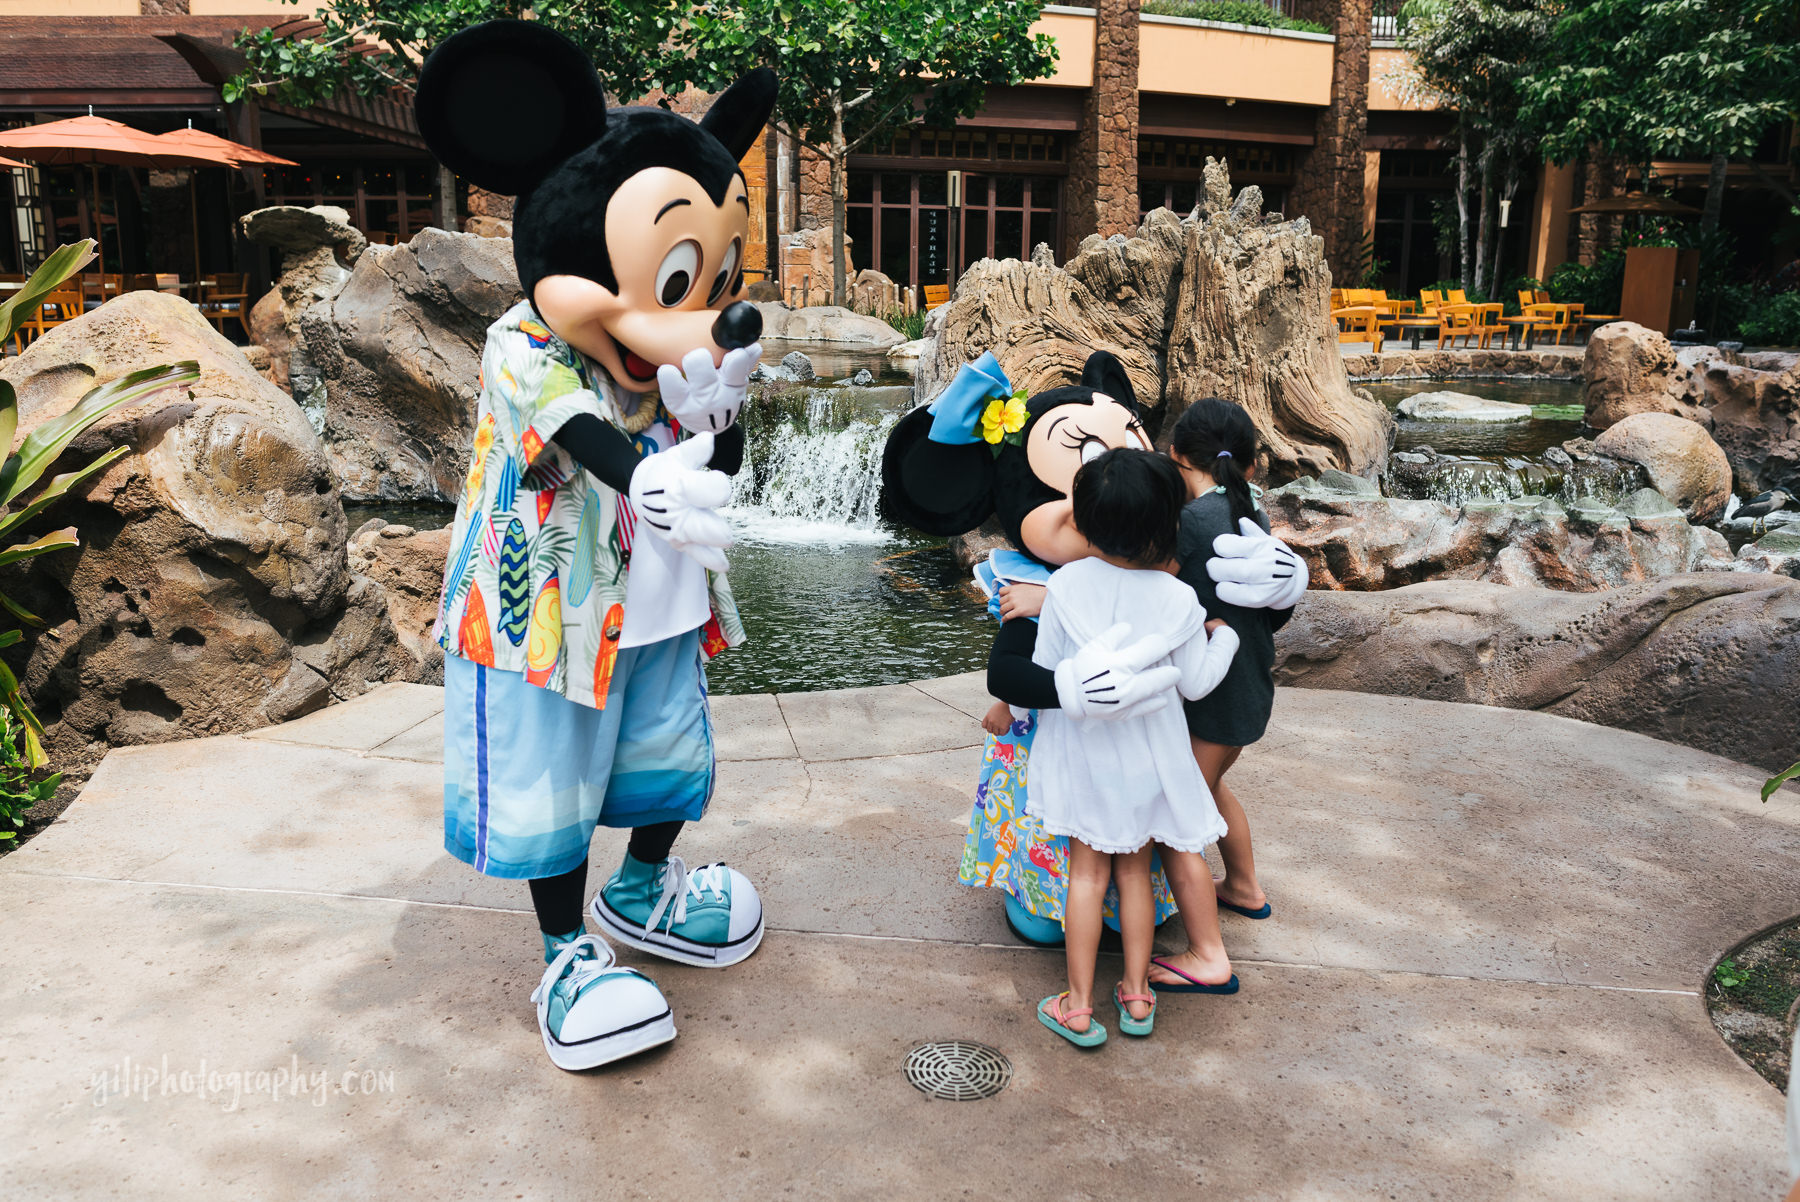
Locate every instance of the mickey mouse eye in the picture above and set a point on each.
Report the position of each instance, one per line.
(727, 270)
(675, 278)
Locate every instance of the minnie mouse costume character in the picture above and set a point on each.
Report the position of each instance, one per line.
(979, 450)
(585, 587)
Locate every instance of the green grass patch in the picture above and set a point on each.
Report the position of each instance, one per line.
(1235, 12)
(1559, 413)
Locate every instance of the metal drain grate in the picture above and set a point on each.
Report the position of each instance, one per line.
(957, 1070)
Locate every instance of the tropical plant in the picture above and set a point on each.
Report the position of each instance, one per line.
(26, 464)
(1775, 782)
(851, 70)
(1774, 323)
(18, 790)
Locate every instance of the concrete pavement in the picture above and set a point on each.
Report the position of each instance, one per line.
(1482, 979)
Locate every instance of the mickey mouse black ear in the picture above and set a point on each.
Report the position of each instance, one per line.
(933, 487)
(741, 111)
(1104, 373)
(503, 103)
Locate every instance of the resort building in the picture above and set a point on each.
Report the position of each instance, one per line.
(1137, 103)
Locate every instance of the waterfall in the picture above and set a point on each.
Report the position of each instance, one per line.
(814, 470)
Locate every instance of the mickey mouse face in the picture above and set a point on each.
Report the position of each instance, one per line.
(1070, 435)
(631, 225)
(675, 272)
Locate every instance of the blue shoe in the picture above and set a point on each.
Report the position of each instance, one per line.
(1029, 928)
(1135, 1026)
(592, 1011)
(1053, 1013)
(710, 917)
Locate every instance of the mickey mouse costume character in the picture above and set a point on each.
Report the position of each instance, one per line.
(980, 450)
(585, 587)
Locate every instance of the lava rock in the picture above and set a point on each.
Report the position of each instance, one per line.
(1628, 369)
(825, 323)
(800, 366)
(863, 378)
(1220, 303)
(1703, 660)
(317, 245)
(1682, 460)
(1461, 407)
(211, 591)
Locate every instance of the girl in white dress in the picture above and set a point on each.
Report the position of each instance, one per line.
(1114, 787)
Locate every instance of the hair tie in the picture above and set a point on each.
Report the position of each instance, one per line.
(1223, 455)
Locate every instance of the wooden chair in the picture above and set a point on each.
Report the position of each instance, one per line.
(1456, 321)
(1488, 322)
(936, 294)
(64, 304)
(1337, 298)
(1429, 300)
(1456, 296)
(222, 299)
(139, 282)
(1359, 323)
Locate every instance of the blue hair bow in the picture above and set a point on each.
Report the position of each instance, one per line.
(956, 413)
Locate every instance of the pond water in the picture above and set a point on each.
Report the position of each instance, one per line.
(832, 596)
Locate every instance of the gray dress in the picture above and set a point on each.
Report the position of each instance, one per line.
(1237, 712)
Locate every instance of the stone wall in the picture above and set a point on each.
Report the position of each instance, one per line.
(1102, 187)
(1329, 185)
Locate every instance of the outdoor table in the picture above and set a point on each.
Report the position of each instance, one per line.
(1522, 324)
(1416, 326)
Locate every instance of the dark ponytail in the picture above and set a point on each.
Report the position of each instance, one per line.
(1219, 438)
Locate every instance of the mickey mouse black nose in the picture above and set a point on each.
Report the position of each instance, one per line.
(739, 325)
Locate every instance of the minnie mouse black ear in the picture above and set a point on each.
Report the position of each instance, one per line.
(933, 487)
(503, 103)
(741, 111)
(1104, 373)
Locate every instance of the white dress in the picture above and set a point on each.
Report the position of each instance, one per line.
(1117, 785)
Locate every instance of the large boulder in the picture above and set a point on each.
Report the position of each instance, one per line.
(825, 323)
(1225, 302)
(399, 351)
(1450, 406)
(1711, 661)
(211, 592)
(1353, 538)
(408, 564)
(1755, 407)
(1629, 369)
(1681, 459)
(317, 245)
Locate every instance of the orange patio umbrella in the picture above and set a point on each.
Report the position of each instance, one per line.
(92, 140)
(223, 151)
(6, 162)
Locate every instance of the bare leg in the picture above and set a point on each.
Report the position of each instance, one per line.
(1239, 885)
(1191, 881)
(1089, 874)
(1137, 923)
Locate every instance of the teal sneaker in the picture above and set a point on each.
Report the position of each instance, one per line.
(710, 917)
(592, 1010)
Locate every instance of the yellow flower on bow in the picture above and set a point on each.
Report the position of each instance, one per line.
(1003, 416)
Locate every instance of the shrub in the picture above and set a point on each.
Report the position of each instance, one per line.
(1235, 12)
(1597, 287)
(1776, 322)
(19, 791)
(911, 325)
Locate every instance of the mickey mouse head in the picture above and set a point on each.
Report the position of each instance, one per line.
(631, 223)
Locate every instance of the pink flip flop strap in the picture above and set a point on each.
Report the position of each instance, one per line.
(1063, 1016)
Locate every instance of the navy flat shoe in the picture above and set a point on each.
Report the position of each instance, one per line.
(1192, 985)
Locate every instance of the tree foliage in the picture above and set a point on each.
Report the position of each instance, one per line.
(374, 47)
(1666, 79)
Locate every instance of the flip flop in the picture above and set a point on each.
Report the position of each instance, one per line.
(1262, 911)
(1093, 1037)
(1194, 984)
(1127, 1024)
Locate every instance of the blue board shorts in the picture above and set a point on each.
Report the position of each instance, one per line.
(529, 774)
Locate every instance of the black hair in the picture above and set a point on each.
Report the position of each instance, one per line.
(1219, 438)
(1128, 504)
(516, 108)
(952, 489)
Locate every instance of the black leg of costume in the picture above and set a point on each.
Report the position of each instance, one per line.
(651, 844)
(559, 900)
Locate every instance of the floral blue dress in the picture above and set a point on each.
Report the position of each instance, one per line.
(1006, 848)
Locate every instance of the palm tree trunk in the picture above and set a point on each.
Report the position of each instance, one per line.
(839, 196)
(1462, 207)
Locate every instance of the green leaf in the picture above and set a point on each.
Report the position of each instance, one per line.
(54, 491)
(63, 262)
(9, 416)
(14, 700)
(9, 637)
(41, 447)
(20, 612)
(56, 540)
(1775, 782)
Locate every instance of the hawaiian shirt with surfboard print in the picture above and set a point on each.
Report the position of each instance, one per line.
(540, 551)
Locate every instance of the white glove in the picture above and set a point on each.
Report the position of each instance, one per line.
(704, 398)
(1104, 682)
(1201, 674)
(1255, 570)
(676, 497)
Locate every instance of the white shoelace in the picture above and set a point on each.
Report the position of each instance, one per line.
(679, 884)
(586, 967)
